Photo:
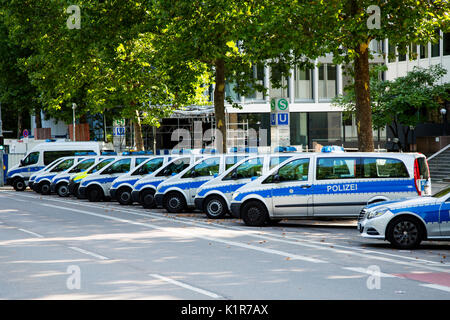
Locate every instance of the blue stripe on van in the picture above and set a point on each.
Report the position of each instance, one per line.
(225, 189)
(100, 180)
(49, 177)
(30, 169)
(183, 186)
(351, 187)
(131, 181)
(429, 213)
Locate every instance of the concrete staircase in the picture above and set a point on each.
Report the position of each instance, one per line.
(439, 165)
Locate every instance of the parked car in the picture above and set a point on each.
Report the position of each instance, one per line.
(407, 222)
(329, 184)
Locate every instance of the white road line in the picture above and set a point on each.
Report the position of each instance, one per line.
(299, 241)
(95, 255)
(368, 272)
(192, 234)
(187, 286)
(31, 232)
(436, 286)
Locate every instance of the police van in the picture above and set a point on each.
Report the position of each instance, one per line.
(75, 180)
(177, 193)
(123, 186)
(60, 183)
(42, 182)
(213, 198)
(42, 155)
(145, 188)
(95, 187)
(46, 169)
(330, 185)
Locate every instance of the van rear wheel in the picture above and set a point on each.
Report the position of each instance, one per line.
(45, 188)
(255, 214)
(62, 190)
(124, 196)
(94, 194)
(19, 184)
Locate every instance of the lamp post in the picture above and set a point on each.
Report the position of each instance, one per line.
(443, 112)
(74, 106)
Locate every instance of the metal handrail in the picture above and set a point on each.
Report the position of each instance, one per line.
(440, 151)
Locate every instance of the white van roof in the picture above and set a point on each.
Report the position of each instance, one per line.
(67, 146)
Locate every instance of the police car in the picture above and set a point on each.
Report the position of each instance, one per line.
(214, 196)
(42, 182)
(177, 193)
(95, 187)
(60, 183)
(46, 169)
(406, 222)
(43, 154)
(144, 189)
(123, 186)
(75, 180)
(330, 185)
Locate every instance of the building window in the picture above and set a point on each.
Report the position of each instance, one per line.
(258, 74)
(303, 84)
(230, 92)
(299, 129)
(324, 128)
(435, 48)
(401, 56)
(282, 92)
(446, 44)
(423, 51)
(391, 53)
(327, 81)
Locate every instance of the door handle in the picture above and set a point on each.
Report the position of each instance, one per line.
(306, 186)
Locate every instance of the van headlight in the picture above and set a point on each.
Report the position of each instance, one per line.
(235, 194)
(377, 213)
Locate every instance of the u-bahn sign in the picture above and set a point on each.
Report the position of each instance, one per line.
(279, 121)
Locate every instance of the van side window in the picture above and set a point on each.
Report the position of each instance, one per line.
(121, 166)
(32, 158)
(296, 170)
(140, 160)
(337, 168)
(64, 165)
(274, 161)
(174, 167)
(249, 168)
(149, 166)
(231, 161)
(101, 165)
(50, 156)
(207, 167)
(384, 168)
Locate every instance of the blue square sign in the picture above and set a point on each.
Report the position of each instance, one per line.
(283, 119)
(273, 119)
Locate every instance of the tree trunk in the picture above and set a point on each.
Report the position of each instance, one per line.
(362, 92)
(219, 105)
(138, 140)
(19, 124)
(37, 118)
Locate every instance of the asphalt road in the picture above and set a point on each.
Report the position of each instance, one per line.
(63, 248)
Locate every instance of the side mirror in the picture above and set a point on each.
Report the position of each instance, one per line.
(215, 175)
(276, 178)
(253, 178)
(173, 174)
(194, 174)
(21, 163)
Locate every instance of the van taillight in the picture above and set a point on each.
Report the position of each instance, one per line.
(417, 176)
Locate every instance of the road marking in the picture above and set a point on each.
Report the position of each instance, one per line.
(436, 286)
(187, 286)
(31, 232)
(95, 255)
(192, 234)
(368, 272)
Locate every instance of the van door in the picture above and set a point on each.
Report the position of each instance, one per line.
(444, 218)
(337, 189)
(198, 175)
(113, 171)
(291, 189)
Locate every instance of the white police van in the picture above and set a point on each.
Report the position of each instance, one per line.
(144, 189)
(42, 182)
(46, 169)
(123, 186)
(95, 187)
(177, 193)
(75, 180)
(60, 182)
(213, 198)
(330, 185)
(42, 155)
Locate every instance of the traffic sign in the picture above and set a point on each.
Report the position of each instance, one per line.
(119, 131)
(283, 119)
(25, 133)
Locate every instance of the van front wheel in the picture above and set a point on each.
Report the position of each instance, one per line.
(19, 185)
(174, 202)
(255, 214)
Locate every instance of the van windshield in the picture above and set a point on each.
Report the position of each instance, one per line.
(63, 165)
(101, 165)
(248, 169)
(442, 193)
(82, 166)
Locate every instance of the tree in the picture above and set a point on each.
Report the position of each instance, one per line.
(403, 102)
(345, 28)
